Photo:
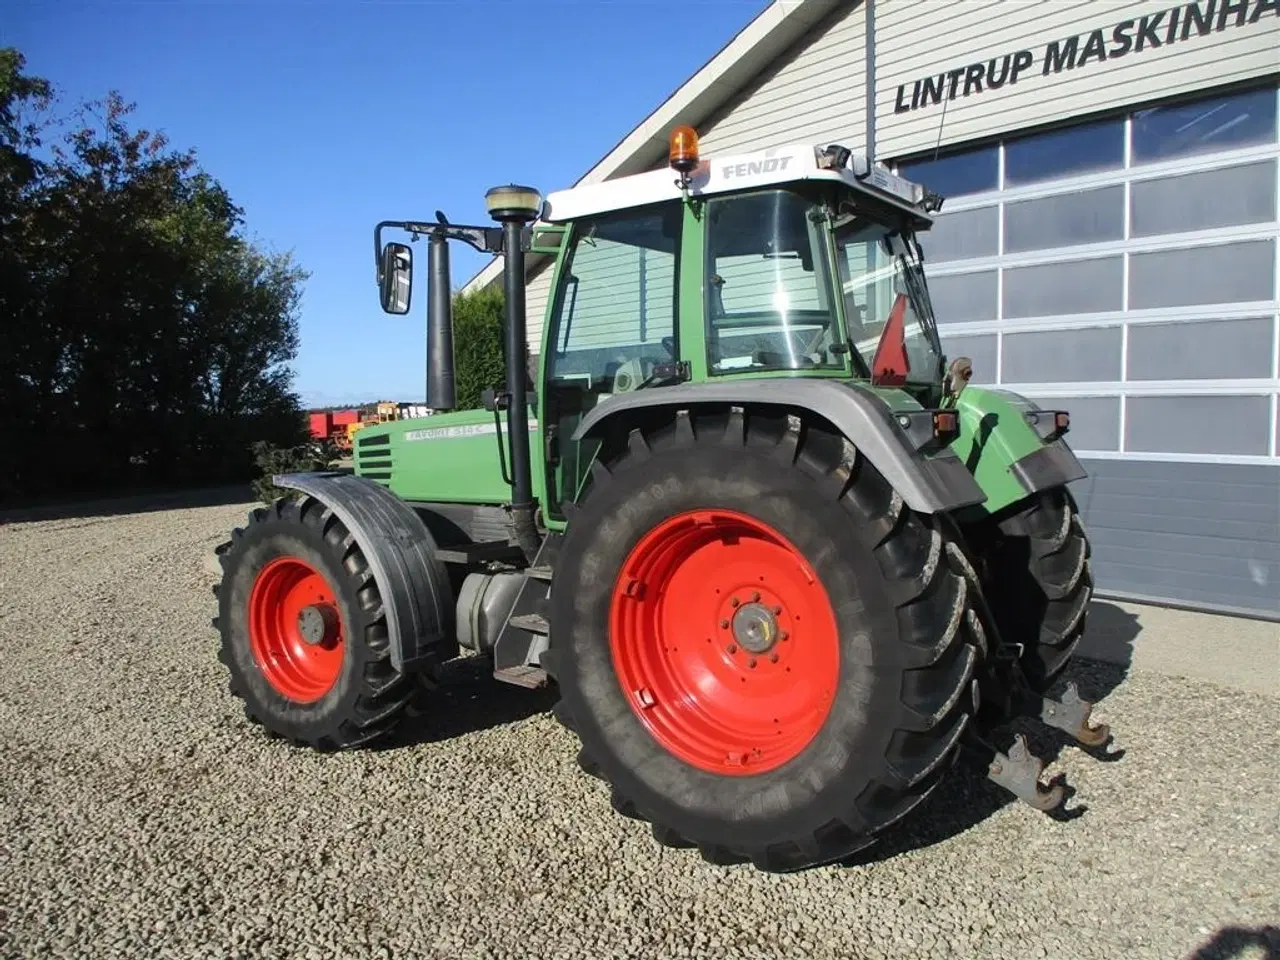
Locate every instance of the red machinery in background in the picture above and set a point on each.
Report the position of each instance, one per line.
(332, 425)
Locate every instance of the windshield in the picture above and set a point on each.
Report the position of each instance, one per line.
(769, 289)
(880, 270)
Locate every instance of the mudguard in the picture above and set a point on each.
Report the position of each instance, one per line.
(413, 581)
(1006, 455)
(929, 483)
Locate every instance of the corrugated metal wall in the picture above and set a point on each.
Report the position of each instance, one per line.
(915, 41)
(817, 92)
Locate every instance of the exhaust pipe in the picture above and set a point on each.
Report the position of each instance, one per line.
(441, 393)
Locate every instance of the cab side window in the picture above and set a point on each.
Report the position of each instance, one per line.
(615, 314)
(614, 321)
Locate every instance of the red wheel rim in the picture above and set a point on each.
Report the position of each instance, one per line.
(724, 641)
(295, 630)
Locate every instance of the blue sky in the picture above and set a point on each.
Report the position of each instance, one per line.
(322, 118)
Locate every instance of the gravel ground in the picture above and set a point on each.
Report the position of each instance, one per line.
(143, 818)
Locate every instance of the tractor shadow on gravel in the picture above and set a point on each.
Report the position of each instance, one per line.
(966, 798)
(468, 700)
(1230, 943)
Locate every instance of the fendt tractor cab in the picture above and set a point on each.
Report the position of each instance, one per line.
(783, 563)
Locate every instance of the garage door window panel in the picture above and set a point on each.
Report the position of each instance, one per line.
(1071, 287)
(962, 235)
(1203, 425)
(964, 297)
(1088, 355)
(1205, 126)
(1201, 350)
(1208, 200)
(1074, 151)
(1223, 273)
(1065, 220)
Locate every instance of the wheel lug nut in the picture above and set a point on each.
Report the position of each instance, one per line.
(733, 648)
(784, 635)
(773, 658)
(777, 611)
(755, 597)
(724, 624)
(751, 662)
(734, 602)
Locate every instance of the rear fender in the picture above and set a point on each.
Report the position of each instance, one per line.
(1008, 457)
(413, 581)
(932, 482)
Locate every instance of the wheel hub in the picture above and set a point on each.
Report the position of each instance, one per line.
(317, 623)
(755, 628)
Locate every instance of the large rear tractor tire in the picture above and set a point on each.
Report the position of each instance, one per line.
(763, 651)
(303, 632)
(1038, 581)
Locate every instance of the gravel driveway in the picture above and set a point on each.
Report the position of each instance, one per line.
(141, 817)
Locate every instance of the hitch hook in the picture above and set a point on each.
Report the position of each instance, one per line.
(1018, 771)
(1071, 715)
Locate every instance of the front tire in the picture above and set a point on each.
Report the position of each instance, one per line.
(791, 738)
(303, 632)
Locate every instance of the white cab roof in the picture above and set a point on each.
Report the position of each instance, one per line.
(778, 165)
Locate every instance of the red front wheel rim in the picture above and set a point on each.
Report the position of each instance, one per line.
(724, 641)
(295, 629)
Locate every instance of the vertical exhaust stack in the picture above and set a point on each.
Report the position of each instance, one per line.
(514, 206)
(441, 393)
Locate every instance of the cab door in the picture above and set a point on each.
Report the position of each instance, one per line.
(611, 321)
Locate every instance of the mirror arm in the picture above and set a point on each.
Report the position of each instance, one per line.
(482, 239)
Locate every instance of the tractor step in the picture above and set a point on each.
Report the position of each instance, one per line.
(485, 551)
(540, 572)
(529, 677)
(532, 622)
(1071, 715)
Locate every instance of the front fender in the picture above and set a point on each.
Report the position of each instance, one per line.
(936, 482)
(413, 581)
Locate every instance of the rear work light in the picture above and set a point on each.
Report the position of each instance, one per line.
(946, 424)
(1049, 424)
(929, 429)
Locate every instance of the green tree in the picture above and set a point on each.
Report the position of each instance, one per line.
(478, 345)
(149, 342)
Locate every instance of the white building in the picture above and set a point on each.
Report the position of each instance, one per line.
(1109, 241)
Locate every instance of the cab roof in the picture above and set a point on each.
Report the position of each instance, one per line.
(776, 166)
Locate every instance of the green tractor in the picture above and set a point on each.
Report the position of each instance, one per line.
(783, 563)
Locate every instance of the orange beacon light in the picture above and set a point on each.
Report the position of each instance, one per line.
(682, 153)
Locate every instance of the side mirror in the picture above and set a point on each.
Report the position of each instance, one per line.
(395, 277)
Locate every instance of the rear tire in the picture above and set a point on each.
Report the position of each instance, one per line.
(333, 692)
(1038, 582)
(881, 640)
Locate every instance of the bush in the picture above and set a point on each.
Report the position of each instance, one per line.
(304, 458)
(478, 348)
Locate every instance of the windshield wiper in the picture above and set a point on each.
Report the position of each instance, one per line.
(664, 374)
